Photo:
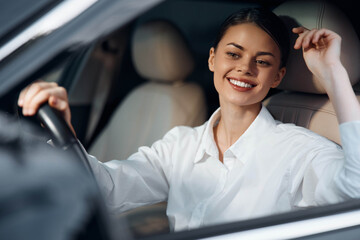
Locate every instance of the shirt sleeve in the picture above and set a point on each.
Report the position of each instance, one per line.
(349, 176)
(332, 174)
(140, 180)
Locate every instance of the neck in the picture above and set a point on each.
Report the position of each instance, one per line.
(234, 121)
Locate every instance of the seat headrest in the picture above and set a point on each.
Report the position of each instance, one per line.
(160, 52)
(317, 14)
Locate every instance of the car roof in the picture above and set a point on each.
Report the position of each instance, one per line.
(19, 13)
(96, 19)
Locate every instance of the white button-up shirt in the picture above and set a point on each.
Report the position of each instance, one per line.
(272, 168)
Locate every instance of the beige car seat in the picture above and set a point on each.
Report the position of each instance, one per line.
(161, 56)
(305, 102)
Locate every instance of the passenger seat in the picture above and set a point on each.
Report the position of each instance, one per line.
(161, 56)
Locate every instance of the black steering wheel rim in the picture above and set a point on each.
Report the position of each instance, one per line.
(61, 134)
(64, 138)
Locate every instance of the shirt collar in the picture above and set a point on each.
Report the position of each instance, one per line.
(208, 144)
(250, 141)
(263, 123)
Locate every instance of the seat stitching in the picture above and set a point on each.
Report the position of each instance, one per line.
(305, 107)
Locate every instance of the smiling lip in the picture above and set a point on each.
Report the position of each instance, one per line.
(241, 85)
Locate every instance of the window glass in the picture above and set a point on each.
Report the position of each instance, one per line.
(55, 74)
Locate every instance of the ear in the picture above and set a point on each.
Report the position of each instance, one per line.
(279, 76)
(211, 59)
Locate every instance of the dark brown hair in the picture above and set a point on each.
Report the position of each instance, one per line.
(266, 20)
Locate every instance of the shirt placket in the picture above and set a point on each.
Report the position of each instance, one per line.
(199, 211)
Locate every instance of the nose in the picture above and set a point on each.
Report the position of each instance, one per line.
(244, 67)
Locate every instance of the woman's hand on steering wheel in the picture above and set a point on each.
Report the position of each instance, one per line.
(40, 92)
(33, 100)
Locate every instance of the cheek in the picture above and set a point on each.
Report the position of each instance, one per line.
(220, 71)
(268, 76)
(222, 67)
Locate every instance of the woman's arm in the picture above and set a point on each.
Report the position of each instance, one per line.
(337, 177)
(321, 50)
(125, 184)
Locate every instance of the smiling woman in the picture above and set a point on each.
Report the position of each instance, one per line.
(244, 63)
(249, 53)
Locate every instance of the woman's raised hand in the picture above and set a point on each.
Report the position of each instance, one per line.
(321, 50)
(34, 95)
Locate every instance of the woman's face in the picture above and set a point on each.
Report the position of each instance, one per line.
(245, 65)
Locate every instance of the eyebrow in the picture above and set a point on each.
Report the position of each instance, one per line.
(261, 53)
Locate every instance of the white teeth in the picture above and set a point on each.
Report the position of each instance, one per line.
(240, 84)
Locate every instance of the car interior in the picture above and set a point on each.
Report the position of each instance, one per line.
(160, 56)
(142, 66)
(169, 93)
(132, 86)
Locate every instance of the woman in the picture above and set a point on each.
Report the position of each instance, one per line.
(241, 163)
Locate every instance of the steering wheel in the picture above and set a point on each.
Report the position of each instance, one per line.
(61, 134)
(65, 139)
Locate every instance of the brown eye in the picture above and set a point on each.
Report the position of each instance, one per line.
(262, 62)
(232, 55)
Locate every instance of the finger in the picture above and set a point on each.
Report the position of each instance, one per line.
(317, 36)
(302, 32)
(24, 92)
(41, 96)
(307, 40)
(58, 94)
(22, 96)
(319, 39)
(61, 105)
(299, 40)
(324, 35)
(32, 91)
(298, 30)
